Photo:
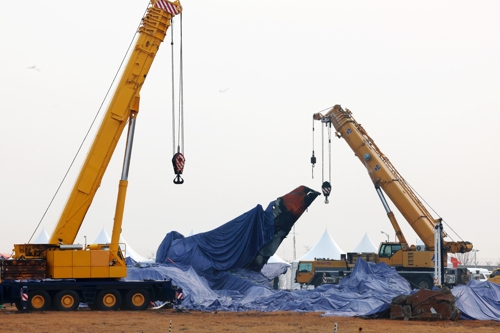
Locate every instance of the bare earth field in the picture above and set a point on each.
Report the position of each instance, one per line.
(150, 321)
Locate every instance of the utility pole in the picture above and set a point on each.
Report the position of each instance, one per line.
(475, 261)
(294, 248)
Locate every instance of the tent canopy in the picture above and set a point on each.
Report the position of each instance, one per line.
(365, 245)
(42, 238)
(104, 238)
(275, 259)
(324, 248)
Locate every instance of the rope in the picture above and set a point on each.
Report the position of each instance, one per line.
(180, 139)
(173, 84)
(330, 152)
(322, 154)
(313, 158)
(177, 140)
(329, 133)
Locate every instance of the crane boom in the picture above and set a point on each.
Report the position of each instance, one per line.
(125, 103)
(385, 176)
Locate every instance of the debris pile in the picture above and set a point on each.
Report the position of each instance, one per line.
(425, 304)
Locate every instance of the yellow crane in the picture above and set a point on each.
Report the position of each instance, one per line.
(388, 180)
(61, 258)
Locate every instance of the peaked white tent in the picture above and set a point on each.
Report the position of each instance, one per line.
(275, 259)
(365, 245)
(275, 265)
(104, 238)
(42, 238)
(324, 248)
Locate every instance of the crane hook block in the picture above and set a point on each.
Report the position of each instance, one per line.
(178, 162)
(326, 188)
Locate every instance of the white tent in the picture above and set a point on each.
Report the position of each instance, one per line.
(42, 238)
(365, 245)
(283, 282)
(324, 248)
(104, 238)
(276, 259)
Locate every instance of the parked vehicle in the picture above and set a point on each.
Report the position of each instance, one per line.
(495, 276)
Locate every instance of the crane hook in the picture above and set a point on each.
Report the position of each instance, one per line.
(326, 188)
(313, 162)
(178, 162)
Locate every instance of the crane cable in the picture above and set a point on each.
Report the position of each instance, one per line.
(326, 187)
(313, 158)
(178, 160)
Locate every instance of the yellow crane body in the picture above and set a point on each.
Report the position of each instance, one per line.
(385, 176)
(65, 259)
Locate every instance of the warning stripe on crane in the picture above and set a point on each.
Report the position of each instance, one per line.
(167, 6)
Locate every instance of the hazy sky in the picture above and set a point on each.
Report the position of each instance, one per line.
(421, 77)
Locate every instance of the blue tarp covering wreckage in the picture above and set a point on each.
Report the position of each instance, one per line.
(223, 270)
(478, 300)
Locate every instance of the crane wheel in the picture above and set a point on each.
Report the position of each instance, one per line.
(39, 300)
(137, 299)
(66, 300)
(424, 283)
(108, 300)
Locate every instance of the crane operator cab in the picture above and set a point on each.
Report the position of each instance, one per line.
(387, 250)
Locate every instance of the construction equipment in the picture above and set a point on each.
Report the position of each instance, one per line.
(61, 273)
(416, 263)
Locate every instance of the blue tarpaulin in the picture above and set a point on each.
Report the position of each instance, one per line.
(368, 291)
(230, 246)
(212, 269)
(478, 300)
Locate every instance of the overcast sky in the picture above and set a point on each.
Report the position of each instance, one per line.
(421, 77)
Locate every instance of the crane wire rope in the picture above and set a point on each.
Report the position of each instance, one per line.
(322, 154)
(172, 64)
(181, 92)
(89, 129)
(432, 209)
(178, 160)
(326, 186)
(177, 125)
(313, 158)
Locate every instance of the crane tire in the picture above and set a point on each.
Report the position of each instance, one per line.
(108, 300)
(39, 300)
(66, 300)
(424, 283)
(137, 299)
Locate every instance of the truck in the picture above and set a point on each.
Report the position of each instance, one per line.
(331, 271)
(60, 274)
(415, 263)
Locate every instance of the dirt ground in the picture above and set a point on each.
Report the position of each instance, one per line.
(168, 320)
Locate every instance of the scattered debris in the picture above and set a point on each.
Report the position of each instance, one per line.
(425, 304)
